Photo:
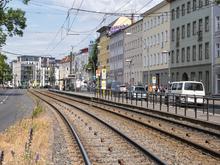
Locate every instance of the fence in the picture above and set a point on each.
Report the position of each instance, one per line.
(176, 103)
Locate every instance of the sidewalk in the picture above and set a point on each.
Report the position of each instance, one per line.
(190, 112)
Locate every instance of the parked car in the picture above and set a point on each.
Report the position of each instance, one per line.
(186, 91)
(138, 92)
(115, 86)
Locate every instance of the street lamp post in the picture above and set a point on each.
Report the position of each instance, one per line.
(130, 62)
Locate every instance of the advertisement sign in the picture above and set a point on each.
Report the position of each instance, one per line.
(103, 84)
(154, 80)
(103, 74)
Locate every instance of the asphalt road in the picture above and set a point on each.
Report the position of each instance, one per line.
(15, 104)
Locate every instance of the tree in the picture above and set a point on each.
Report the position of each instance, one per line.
(217, 2)
(12, 21)
(5, 70)
(93, 59)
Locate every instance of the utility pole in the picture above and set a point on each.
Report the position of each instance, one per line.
(71, 61)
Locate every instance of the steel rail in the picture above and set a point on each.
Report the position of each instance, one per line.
(146, 113)
(195, 145)
(72, 130)
(144, 150)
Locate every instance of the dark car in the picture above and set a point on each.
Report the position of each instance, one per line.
(115, 87)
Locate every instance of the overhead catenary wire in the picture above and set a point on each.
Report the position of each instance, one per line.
(152, 15)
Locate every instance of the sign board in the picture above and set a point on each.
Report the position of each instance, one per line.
(103, 84)
(103, 74)
(97, 73)
(154, 80)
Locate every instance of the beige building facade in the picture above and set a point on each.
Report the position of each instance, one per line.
(103, 49)
(156, 41)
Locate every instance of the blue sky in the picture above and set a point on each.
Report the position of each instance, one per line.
(45, 35)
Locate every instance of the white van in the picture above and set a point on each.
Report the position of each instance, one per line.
(191, 89)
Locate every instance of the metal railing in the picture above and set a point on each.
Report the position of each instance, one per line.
(177, 103)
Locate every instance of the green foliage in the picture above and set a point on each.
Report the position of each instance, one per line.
(217, 2)
(5, 70)
(12, 21)
(37, 110)
(92, 63)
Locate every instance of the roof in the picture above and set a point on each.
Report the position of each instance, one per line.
(65, 59)
(103, 29)
(158, 6)
(133, 24)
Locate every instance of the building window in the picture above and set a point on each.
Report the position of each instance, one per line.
(188, 54)
(194, 28)
(207, 50)
(200, 76)
(158, 22)
(177, 76)
(193, 76)
(158, 38)
(172, 77)
(183, 9)
(188, 7)
(206, 24)
(188, 30)
(200, 3)
(166, 36)
(217, 50)
(177, 55)
(172, 57)
(162, 39)
(200, 52)
(207, 2)
(173, 34)
(183, 31)
(194, 5)
(173, 14)
(194, 53)
(207, 80)
(200, 25)
(177, 12)
(217, 23)
(178, 34)
(183, 55)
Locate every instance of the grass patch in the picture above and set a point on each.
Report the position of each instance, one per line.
(13, 142)
(37, 110)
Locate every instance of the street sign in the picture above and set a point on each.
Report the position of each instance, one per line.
(154, 80)
(103, 74)
(103, 84)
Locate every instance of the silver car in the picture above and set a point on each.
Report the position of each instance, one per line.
(138, 92)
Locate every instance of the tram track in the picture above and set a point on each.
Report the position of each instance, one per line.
(126, 150)
(205, 140)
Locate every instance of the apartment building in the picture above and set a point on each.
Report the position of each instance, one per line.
(103, 49)
(35, 71)
(66, 81)
(156, 37)
(116, 48)
(24, 70)
(80, 60)
(116, 56)
(216, 49)
(192, 40)
(133, 57)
